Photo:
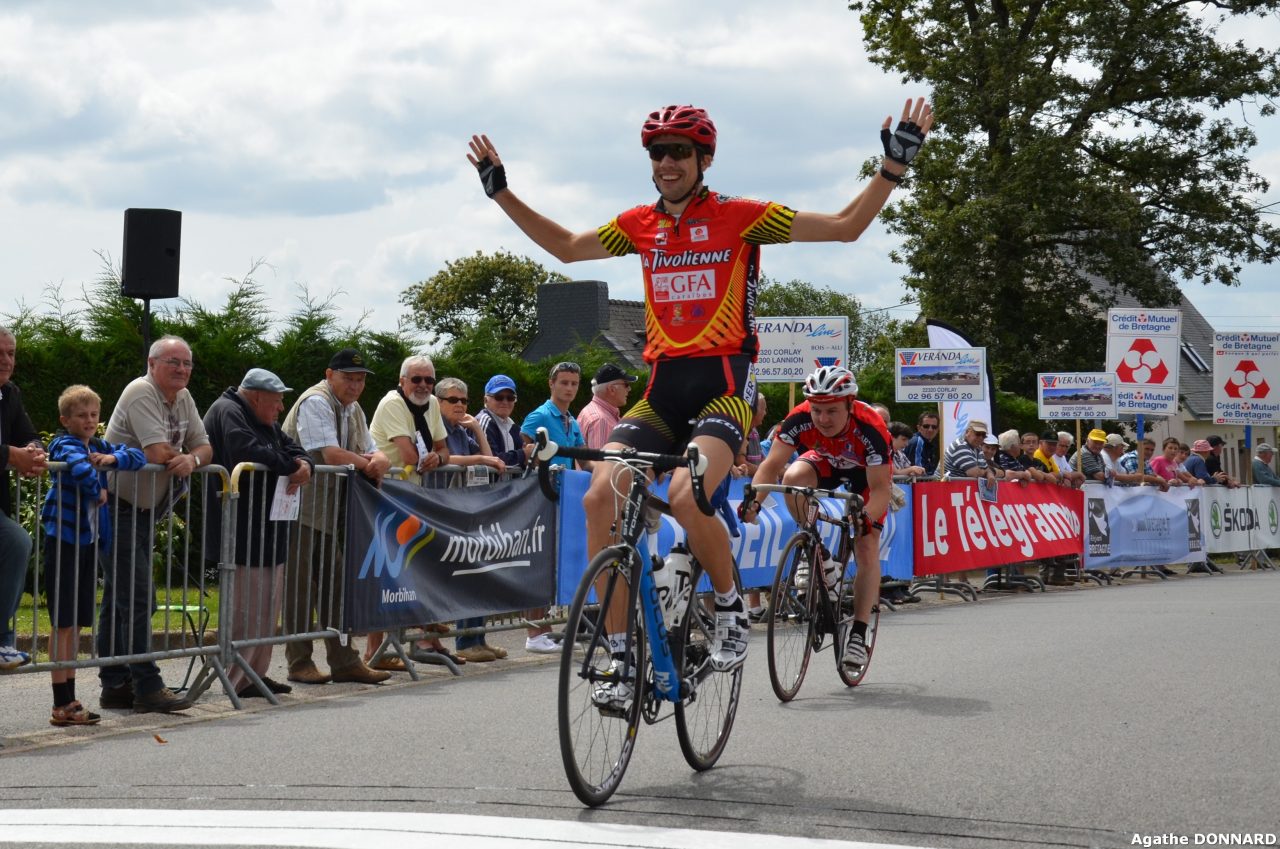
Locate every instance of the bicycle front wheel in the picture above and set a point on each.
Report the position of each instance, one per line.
(599, 699)
(844, 621)
(704, 717)
(791, 618)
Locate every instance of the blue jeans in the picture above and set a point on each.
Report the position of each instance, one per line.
(467, 642)
(15, 554)
(128, 600)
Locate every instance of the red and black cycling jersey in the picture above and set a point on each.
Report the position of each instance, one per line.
(701, 271)
(863, 443)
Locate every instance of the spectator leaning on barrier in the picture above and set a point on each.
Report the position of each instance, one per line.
(922, 448)
(328, 423)
(157, 414)
(1089, 459)
(499, 427)
(562, 427)
(406, 426)
(468, 446)
(990, 445)
(1263, 472)
(609, 390)
(900, 438)
(1167, 465)
(1008, 457)
(1128, 474)
(1213, 460)
(964, 456)
(76, 521)
(1030, 442)
(21, 451)
(1195, 462)
(242, 428)
(1044, 456)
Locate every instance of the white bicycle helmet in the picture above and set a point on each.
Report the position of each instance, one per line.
(830, 383)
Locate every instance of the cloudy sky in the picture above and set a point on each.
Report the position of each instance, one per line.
(327, 138)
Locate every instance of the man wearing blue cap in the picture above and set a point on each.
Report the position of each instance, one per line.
(500, 428)
(242, 428)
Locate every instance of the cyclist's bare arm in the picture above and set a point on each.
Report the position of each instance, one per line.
(556, 240)
(850, 223)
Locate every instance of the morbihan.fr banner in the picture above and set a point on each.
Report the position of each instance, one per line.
(417, 555)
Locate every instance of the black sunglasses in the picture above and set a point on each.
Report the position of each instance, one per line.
(570, 367)
(504, 396)
(454, 400)
(675, 150)
(417, 378)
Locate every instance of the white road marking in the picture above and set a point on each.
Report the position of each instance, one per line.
(367, 830)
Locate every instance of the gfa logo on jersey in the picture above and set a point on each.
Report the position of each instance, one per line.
(696, 285)
(407, 539)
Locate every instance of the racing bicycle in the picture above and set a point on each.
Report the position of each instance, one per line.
(807, 611)
(605, 691)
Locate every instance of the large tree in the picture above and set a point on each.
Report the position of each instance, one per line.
(500, 289)
(1104, 138)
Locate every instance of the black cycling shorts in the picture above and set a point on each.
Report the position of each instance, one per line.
(688, 397)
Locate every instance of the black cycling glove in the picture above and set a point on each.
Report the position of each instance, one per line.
(902, 144)
(492, 177)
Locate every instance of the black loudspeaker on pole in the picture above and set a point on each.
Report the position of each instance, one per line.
(149, 268)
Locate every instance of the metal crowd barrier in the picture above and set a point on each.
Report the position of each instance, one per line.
(151, 593)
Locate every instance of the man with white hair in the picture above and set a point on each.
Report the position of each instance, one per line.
(609, 390)
(157, 414)
(1263, 472)
(407, 426)
(1008, 457)
(1069, 473)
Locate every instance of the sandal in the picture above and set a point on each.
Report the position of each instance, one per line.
(438, 648)
(73, 713)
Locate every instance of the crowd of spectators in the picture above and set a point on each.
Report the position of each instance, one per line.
(98, 521)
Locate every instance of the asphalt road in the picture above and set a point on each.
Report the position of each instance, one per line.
(1078, 717)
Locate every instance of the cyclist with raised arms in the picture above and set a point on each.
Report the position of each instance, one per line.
(840, 440)
(700, 253)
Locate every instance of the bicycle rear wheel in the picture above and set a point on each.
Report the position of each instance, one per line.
(704, 717)
(844, 615)
(597, 737)
(791, 619)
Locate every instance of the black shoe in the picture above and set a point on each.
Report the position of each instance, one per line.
(276, 687)
(117, 698)
(1167, 572)
(1198, 568)
(163, 700)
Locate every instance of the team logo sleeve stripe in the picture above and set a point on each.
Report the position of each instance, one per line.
(773, 227)
(614, 240)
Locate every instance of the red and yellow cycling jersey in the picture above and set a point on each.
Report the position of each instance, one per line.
(700, 271)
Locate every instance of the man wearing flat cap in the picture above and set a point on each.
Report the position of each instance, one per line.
(1263, 472)
(242, 428)
(609, 390)
(330, 426)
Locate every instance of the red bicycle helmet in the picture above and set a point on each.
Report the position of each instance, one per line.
(830, 383)
(688, 121)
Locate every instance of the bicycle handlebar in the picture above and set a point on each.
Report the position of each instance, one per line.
(853, 501)
(692, 459)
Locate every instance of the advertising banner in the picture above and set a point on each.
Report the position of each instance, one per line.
(1141, 526)
(1231, 518)
(1076, 395)
(417, 555)
(1246, 378)
(956, 415)
(957, 528)
(791, 348)
(1143, 349)
(756, 549)
(1265, 501)
(928, 375)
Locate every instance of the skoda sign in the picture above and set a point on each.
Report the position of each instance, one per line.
(1215, 519)
(1273, 516)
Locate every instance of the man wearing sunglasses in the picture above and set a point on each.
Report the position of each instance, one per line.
(699, 251)
(407, 426)
(922, 448)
